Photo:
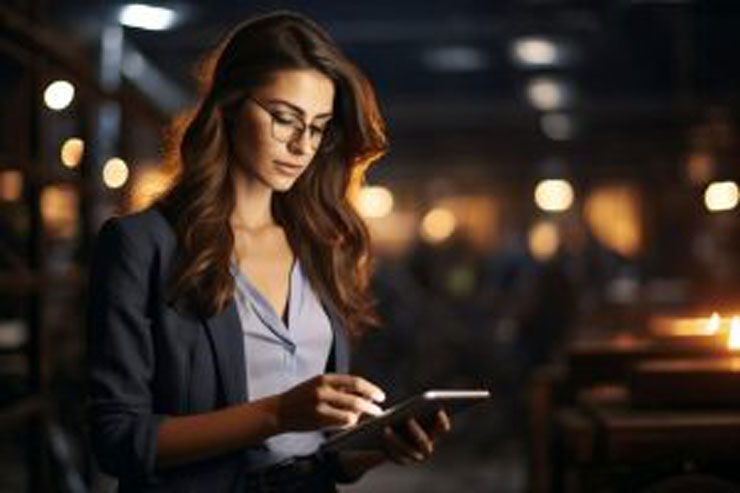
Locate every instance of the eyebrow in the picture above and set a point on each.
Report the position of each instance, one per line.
(297, 109)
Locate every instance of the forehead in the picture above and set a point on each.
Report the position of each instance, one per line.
(308, 89)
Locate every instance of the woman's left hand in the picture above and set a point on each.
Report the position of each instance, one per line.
(414, 444)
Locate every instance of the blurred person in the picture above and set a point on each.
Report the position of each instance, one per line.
(221, 317)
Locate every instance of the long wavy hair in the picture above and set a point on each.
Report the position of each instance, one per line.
(323, 229)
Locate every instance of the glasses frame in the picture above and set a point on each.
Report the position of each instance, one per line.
(298, 132)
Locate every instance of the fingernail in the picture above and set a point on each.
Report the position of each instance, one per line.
(379, 397)
(375, 410)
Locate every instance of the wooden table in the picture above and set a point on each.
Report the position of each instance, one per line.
(603, 442)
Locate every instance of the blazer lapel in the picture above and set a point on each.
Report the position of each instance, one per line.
(224, 330)
(339, 360)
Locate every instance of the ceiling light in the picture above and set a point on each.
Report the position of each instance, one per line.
(554, 195)
(721, 196)
(59, 94)
(147, 17)
(535, 51)
(547, 94)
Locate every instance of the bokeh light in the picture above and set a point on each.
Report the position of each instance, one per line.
(72, 152)
(543, 240)
(547, 94)
(438, 225)
(614, 216)
(535, 51)
(554, 195)
(557, 126)
(115, 173)
(59, 94)
(147, 17)
(11, 185)
(374, 202)
(59, 210)
(721, 196)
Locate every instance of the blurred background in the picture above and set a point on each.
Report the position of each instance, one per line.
(556, 221)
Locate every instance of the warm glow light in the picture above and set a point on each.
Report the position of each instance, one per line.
(535, 51)
(438, 225)
(59, 210)
(721, 196)
(11, 185)
(393, 235)
(544, 240)
(476, 217)
(149, 181)
(59, 94)
(547, 94)
(115, 173)
(147, 17)
(700, 168)
(553, 195)
(690, 326)
(613, 214)
(72, 151)
(712, 326)
(733, 341)
(374, 202)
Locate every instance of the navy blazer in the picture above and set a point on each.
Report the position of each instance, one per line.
(148, 360)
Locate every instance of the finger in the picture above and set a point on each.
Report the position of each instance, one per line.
(349, 402)
(442, 423)
(399, 449)
(423, 442)
(357, 385)
(331, 416)
(393, 451)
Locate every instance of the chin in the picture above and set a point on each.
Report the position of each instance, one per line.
(282, 184)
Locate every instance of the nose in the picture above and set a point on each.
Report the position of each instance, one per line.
(300, 143)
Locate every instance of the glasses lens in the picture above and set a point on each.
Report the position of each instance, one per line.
(284, 131)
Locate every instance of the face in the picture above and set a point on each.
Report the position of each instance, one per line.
(269, 143)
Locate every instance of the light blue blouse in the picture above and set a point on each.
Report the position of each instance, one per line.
(278, 356)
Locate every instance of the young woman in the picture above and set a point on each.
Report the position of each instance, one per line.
(220, 318)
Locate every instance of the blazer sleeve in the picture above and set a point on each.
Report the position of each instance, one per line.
(121, 355)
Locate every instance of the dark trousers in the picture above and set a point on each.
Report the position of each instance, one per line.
(301, 475)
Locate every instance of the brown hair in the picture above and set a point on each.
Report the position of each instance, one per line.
(322, 227)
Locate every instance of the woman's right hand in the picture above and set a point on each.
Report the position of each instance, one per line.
(327, 400)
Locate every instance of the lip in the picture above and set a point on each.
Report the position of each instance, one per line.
(288, 168)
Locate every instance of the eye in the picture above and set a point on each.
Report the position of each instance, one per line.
(317, 130)
(284, 119)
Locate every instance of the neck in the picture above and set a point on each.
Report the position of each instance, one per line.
(252, 211)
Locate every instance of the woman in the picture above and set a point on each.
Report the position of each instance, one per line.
(220, 316)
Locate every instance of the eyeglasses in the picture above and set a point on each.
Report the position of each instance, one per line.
(288, 128)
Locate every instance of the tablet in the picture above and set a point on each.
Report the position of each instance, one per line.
(368, 434)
